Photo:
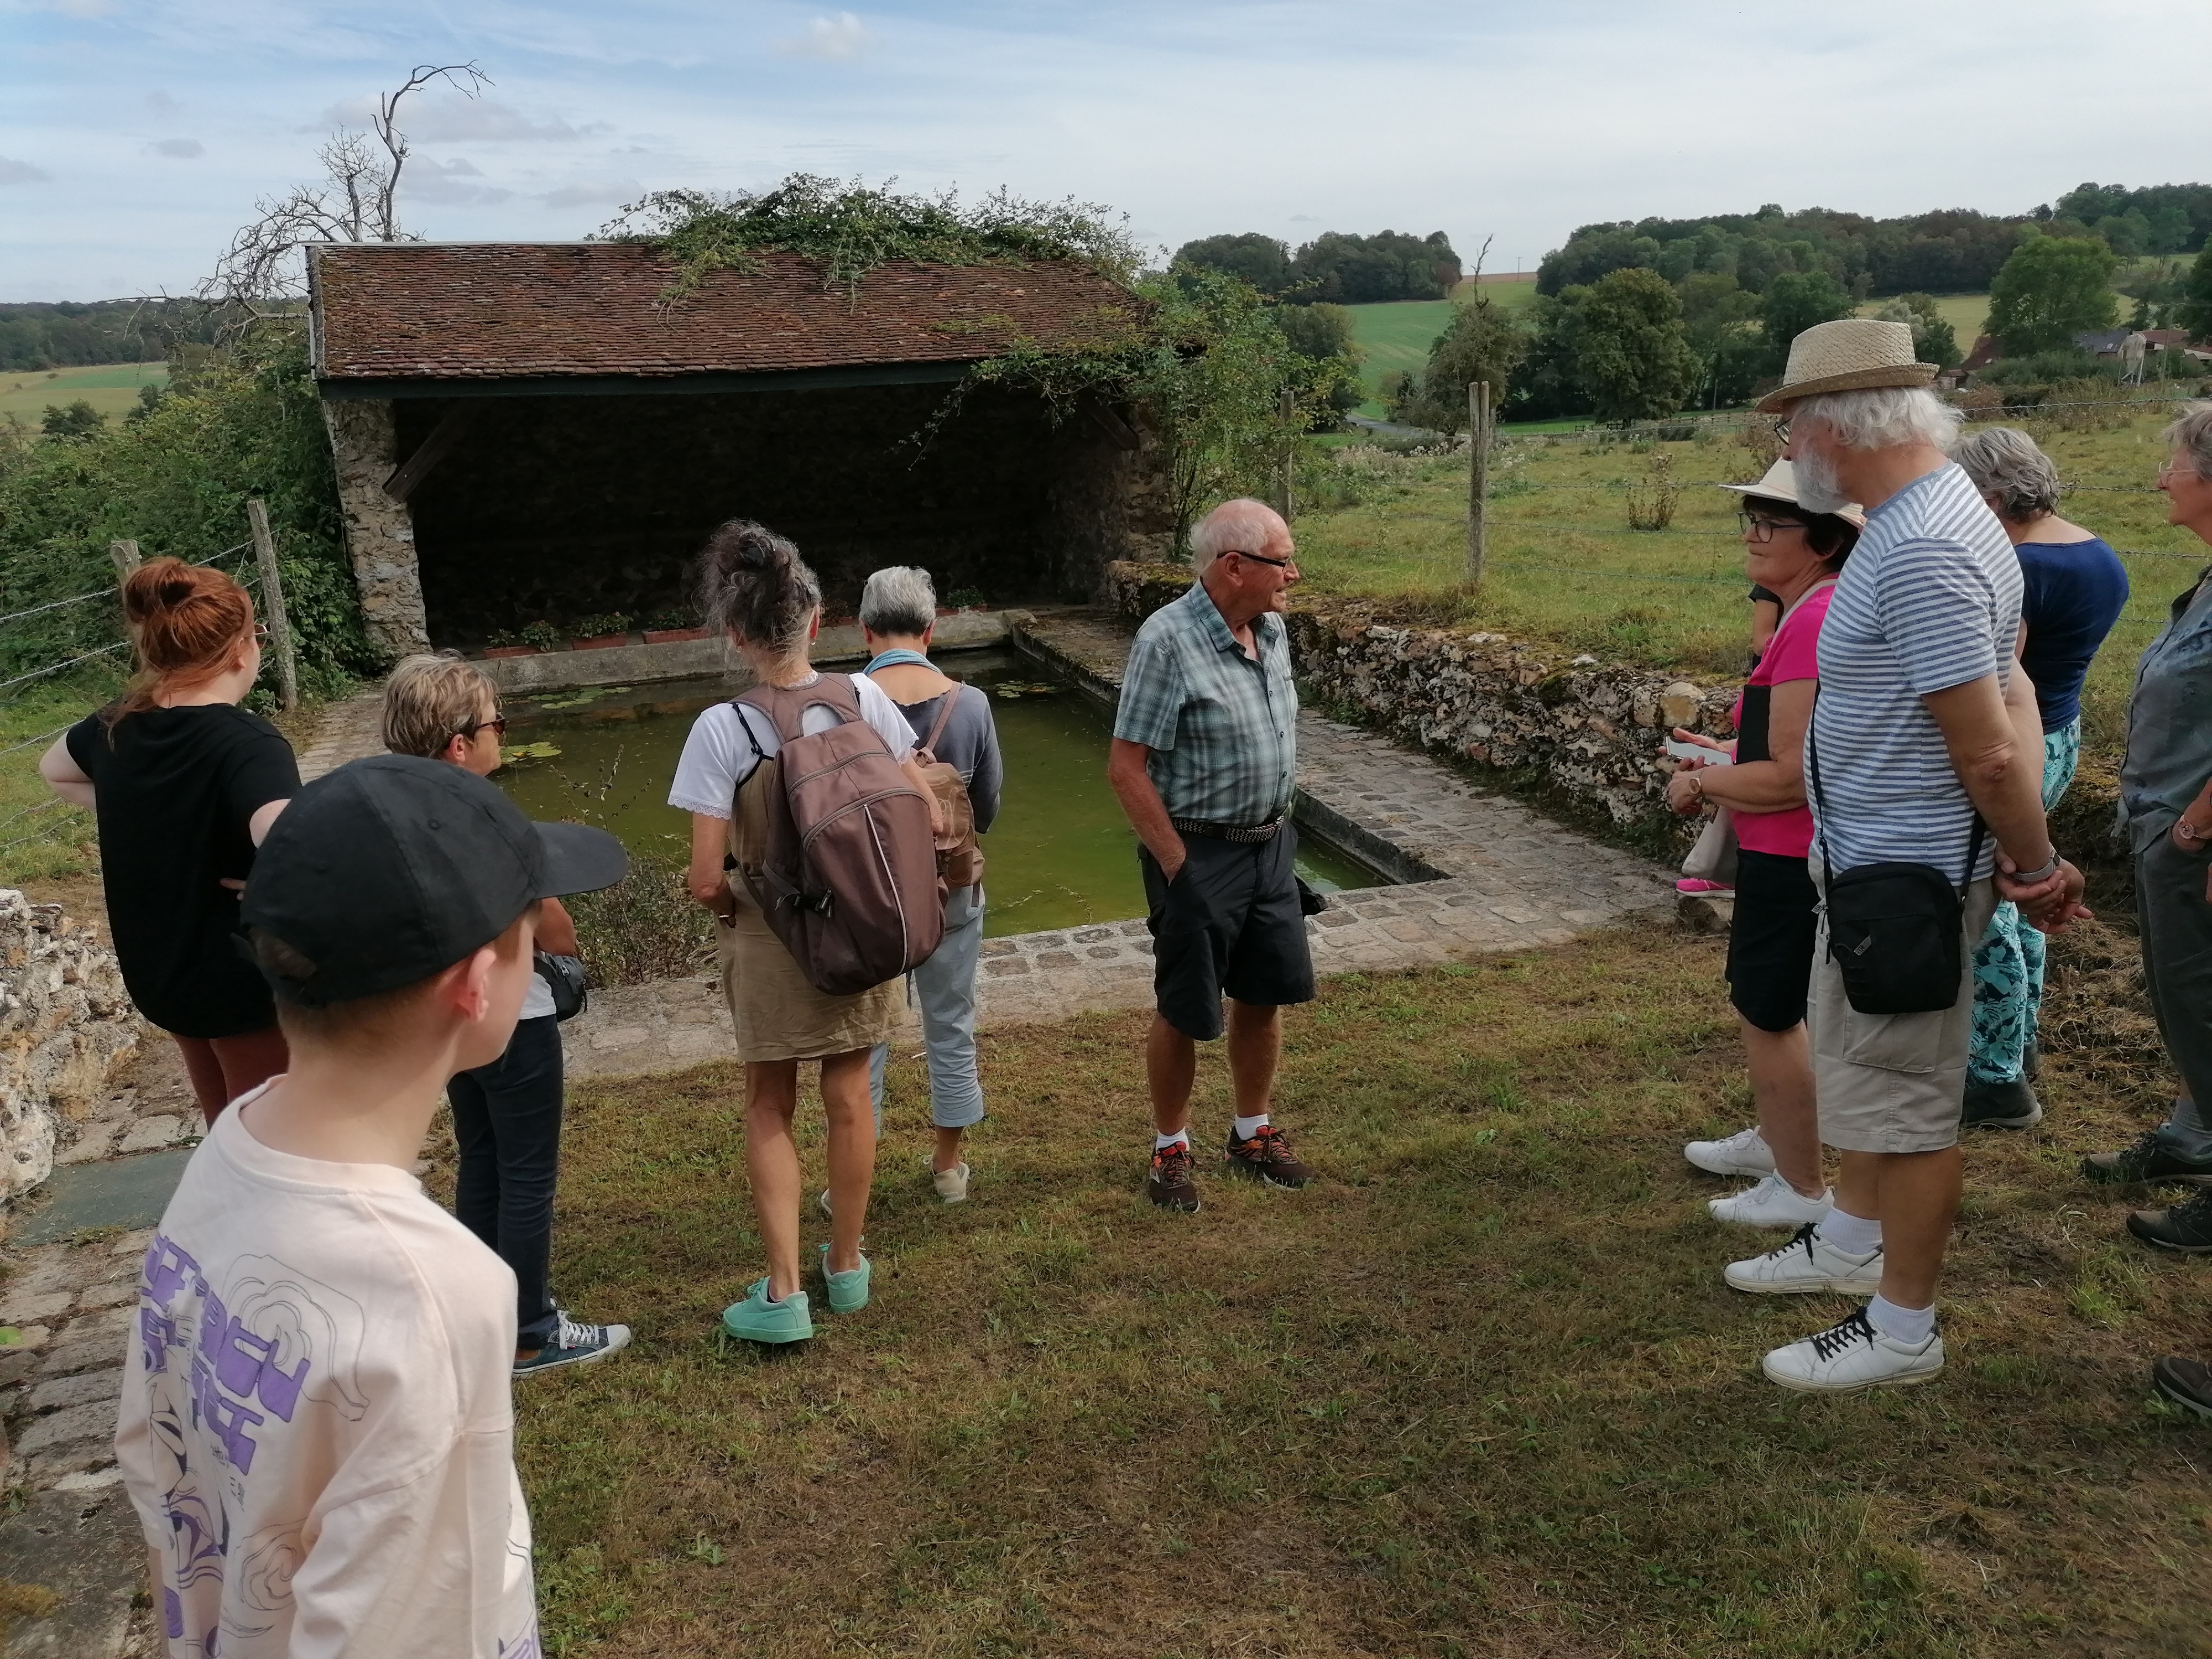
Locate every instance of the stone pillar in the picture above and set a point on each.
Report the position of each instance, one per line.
(379, 533)
(66, 1024)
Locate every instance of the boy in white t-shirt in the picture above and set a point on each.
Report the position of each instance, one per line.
(316, 1426)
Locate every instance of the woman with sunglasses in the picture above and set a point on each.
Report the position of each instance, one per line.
(185, 784)
(1760, 778)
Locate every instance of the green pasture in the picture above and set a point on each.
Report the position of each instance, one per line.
(111, 388)
(1565, 566)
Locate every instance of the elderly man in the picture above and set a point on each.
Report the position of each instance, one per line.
(1926, 750)
(1205, 749)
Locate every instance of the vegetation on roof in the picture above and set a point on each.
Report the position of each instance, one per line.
(849, 229)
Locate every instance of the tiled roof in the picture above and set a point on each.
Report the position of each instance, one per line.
(431, 311)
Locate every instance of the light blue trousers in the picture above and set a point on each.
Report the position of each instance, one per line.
(945, 988)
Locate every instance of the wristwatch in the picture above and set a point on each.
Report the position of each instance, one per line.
(2029, 878)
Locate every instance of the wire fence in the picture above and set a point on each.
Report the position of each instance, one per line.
(1679, 428)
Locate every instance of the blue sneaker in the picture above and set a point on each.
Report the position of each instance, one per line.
(757, 1318)
(571, 1344)
(848, 1291)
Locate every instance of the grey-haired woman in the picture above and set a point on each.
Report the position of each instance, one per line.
(898, 612)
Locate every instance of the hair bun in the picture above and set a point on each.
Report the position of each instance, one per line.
(758, 549)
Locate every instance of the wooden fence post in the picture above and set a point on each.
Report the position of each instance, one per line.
(1288, 408)
(272, 606)
(1478, 475)
(125, 556)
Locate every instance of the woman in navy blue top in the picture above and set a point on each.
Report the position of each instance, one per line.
(2074, 588)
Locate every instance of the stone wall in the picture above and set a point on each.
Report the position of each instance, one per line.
(379, 536)
(1585, 731)
(65, 1023)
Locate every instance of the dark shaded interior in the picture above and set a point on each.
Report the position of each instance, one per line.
(563, 507)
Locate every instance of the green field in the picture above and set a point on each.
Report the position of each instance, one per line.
(111, 388)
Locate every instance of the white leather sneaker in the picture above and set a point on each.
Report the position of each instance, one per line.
(1853, 1355)
(1772, 1203)
(951, 1184)
(1808, 1263)
(1744, 1152)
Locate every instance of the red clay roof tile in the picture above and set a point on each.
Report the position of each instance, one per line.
(432, 311)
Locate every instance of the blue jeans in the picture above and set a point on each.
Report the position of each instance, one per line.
(2008, 962)
(506, 1121)
(944, 985)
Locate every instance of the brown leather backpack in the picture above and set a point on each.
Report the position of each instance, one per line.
(959, 855)
(849, 883)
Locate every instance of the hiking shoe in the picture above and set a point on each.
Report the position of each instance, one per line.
(1744, 1152)
(2000, 1105)
(1772, 1203)
(848, 1290)
(2031, 1063)
(571, 1344)
(757, 1318)
(1807, 1264)
(951, 1184)
(2185, 1382)
(1174, 1185)
(2185, 1227)
(1852, 1355)
(2148, 1159)
(1267, 1157)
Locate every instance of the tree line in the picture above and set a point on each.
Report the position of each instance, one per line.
(74, 334)
(1334, 269)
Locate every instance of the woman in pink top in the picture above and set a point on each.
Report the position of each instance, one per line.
(1761, 779)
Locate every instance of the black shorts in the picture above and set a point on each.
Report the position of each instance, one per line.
(1229, 924)
(1770, 958)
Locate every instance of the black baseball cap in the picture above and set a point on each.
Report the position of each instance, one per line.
(392, 869)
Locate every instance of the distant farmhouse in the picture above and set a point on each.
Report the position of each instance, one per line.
(533, 430)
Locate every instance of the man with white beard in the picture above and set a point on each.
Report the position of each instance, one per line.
(1926, 761)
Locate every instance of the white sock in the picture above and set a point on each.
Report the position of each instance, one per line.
(1911, 1326)
(1161, 1143)
(1249, 1126)
(1853, 1234)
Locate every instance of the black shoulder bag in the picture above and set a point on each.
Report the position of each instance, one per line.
(564, 976)
(1896, 931)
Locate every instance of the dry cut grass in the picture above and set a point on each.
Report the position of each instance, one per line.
(1478, 1392)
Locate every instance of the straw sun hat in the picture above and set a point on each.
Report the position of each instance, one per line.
(1853, 354)
(1780, 485)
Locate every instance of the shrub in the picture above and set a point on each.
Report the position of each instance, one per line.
(1652, 498)
(2044, 367)
(644, 928)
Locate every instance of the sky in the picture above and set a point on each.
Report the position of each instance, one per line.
(137, 134)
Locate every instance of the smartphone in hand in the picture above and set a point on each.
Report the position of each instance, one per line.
(1699, 752)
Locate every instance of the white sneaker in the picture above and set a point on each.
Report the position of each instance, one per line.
(1772, 1203)
(1744, 1152)
(951, 1184)
(1807, 1263)
(1853, 1355)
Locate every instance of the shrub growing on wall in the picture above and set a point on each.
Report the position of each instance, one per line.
(237, 423)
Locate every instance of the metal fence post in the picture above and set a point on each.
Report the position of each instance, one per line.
(272, 606)
(1478, 475)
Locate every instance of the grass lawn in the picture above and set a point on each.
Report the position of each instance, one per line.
(111, 388)
(1565, 566)
(1480, 1391)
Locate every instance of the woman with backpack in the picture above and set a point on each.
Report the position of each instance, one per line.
(952, 724)
(754, 587)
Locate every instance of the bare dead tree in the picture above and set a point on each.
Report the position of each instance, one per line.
(355, 201)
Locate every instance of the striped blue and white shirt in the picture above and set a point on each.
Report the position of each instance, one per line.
(1930, 599)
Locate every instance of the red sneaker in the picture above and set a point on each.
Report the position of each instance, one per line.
(1267, 1157)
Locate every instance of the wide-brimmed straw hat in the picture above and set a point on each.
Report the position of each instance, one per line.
(1852, 354)
(1780, 485)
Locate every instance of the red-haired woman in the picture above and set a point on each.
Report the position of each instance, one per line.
(184, 785)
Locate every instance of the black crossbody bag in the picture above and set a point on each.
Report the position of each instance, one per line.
(1896, 931)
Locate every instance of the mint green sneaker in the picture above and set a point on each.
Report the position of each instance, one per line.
(757, 1318)
(848, 1293)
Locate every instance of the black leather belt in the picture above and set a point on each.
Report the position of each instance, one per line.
(1258, 832)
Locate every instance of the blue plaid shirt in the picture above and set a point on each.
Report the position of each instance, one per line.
(1223, 729)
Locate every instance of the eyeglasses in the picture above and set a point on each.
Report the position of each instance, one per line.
(261, 633)
(496, 726)
(1259, 558)
(1782, 432)
(1761, 530)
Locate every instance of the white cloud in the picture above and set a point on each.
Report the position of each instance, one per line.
(591, 193)
(424, 180)
(23, 172)
(839, 39)
(455, 118)
(182, 149)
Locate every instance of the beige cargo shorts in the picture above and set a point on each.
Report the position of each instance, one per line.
(1891, 1083)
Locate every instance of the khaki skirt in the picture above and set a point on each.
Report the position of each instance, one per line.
(775, 1011)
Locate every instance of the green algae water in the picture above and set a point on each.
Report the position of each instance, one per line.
(1060, 856)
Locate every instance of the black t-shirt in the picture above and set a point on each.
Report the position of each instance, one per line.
(176, 790)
